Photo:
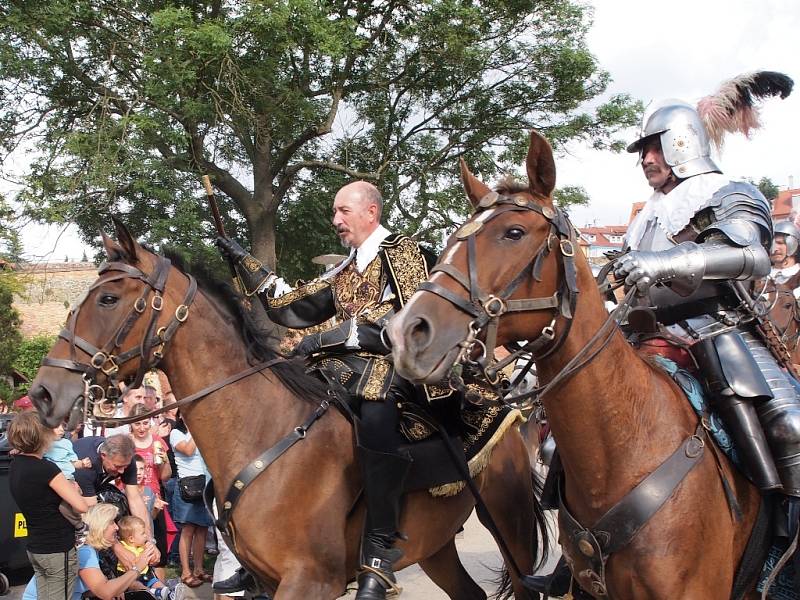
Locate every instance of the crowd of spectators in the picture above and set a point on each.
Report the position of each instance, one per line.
(125, 471)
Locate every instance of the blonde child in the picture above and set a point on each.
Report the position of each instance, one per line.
(133, 537)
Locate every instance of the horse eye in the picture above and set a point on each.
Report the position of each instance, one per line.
(515, 233)
(107, 300)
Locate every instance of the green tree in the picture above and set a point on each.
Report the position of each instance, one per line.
(128, 102)
(769, 189)
(571, 195)
(9, 325)
(30, 353)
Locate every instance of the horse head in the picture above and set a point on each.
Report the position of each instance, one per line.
(114, 332)
(495, 282)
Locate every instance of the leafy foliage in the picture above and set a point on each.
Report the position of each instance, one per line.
(30, 353)
(9, 326)
(769, 189)
(127, 103)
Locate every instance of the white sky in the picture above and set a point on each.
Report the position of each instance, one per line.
(678, 49)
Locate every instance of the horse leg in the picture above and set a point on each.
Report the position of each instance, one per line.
(507, 491)
(444, 567)
(308, 581)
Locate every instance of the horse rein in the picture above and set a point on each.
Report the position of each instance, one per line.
(486, 309)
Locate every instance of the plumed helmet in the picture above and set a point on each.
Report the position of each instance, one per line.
(791, 234)
(684, 141)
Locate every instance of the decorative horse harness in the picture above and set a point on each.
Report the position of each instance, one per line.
(150, 351)
(588, 548)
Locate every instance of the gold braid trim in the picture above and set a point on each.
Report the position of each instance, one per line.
(308, 289)
(480, 461)
(407, 266)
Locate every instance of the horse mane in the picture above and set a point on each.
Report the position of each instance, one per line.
(511, 185)
(260, 344)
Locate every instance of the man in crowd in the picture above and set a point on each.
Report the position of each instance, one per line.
(112, 459)
(382, 271)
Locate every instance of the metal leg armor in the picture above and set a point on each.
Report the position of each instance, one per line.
(737, 411)
(384, 474)
(779, 416)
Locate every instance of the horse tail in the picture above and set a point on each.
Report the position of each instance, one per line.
(541, 539)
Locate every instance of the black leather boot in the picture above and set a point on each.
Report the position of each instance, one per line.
(554, 584)
(240, 581)
(384, 475)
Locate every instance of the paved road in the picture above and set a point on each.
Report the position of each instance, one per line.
(475, 546)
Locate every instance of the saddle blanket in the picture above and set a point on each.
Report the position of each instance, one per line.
(478, 428)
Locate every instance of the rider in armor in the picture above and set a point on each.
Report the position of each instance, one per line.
(362, 293)
(693, 250)
(785, 268)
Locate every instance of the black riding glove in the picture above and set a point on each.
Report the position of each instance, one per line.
(308, 345)
(251, 273)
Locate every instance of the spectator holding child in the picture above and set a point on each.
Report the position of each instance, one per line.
(101, 535)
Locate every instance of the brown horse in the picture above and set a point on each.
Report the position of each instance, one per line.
(299, 524)
(784, 312)
(616, 419)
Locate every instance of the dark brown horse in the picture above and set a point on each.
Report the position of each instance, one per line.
(616, 419)
(299, 524)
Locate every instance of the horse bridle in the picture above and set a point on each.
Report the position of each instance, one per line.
(486, 309)
(105, 359)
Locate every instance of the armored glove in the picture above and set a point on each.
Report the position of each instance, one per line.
(251, 273)
(685, 262)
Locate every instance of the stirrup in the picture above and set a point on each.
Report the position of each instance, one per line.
(392, 589)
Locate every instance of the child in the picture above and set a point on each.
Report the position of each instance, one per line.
(62, 454)
(133, 537)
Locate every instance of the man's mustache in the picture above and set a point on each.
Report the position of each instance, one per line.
(342, 229)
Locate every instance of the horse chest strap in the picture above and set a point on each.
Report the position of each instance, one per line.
(590, 547)
(260, 464)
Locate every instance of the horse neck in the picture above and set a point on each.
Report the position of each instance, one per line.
(611, 410)
(205, 350)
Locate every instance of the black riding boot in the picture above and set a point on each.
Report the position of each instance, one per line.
(383, 490)
(241, 580)
(554, 584)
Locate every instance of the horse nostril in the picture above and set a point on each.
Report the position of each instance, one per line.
(420, 334)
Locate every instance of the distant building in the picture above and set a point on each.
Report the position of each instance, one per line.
(597, 240)
(786, 205)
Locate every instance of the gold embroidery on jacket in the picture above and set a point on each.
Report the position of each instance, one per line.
(307, 290)
(373, 390)
(408, 267)
(357, 292)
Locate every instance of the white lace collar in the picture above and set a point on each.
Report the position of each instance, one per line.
(673, 211)
(783, 275)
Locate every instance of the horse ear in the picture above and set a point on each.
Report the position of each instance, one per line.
(541, 166)
(114, 251)
(474, 188)
(125, 239)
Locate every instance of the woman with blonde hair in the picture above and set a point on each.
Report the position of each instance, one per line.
(101, 534)
(38, 486)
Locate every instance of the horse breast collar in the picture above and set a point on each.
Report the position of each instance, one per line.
(486, 309)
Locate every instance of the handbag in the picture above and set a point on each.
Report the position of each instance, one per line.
(191, 488)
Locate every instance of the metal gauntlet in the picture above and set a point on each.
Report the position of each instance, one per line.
(686, 265)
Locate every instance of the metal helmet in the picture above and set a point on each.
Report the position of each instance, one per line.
(684, 141)
(791, 234)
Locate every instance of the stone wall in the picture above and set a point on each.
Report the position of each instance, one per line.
(49, 290)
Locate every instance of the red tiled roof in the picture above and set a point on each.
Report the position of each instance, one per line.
(782, 204)
(602, 233)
